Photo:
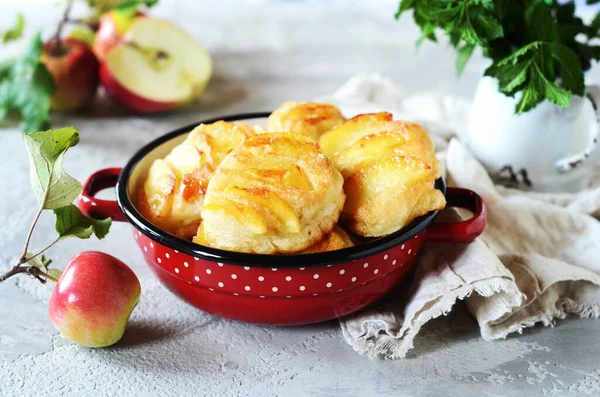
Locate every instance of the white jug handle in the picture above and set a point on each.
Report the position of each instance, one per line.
(569, 163)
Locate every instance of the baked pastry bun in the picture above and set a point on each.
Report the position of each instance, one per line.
(311, 119)
(173, 192)
(389, 168)
(337, 239)
(276, 193)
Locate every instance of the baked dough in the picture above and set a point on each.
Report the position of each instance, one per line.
(337, 239)
(173, 192)
(276, 193)
(389, 169)
(311, 119)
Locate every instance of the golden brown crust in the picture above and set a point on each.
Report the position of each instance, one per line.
(337, 239)
(276, 193)
(310, 119)
(174, 189)
(389, 169)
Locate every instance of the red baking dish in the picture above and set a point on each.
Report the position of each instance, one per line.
(271, 289)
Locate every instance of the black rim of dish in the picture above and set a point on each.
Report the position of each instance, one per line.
(369, 248)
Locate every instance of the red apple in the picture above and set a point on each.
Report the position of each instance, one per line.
(157, 67)
(112, 27)
(75, 71)
(93, 299)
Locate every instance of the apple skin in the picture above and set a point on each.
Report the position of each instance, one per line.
(112, 27)
(75, 74)
(128, 99)
(93, 299)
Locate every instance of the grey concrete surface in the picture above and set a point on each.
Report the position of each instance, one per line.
(263, 55)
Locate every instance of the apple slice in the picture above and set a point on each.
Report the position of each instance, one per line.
(158, 67)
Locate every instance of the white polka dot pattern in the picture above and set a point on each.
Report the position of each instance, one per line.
(278, 281)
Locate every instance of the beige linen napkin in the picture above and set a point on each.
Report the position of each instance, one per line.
(537, 261)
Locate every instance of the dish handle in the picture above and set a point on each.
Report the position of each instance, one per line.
(464, 231)
(98, 208)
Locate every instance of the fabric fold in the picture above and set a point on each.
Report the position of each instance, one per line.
(537, 261)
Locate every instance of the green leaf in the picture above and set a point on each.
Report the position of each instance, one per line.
(521, 52)
(569, 68)
(26, 87)
(590, 52)
(129, 8)
(464, 54)
(510, 77)
(404, 6)
(487, 26)
(71, 222)
(530, 99)
(15, 32)
(540, 23)
(52, 186)
(596, 22)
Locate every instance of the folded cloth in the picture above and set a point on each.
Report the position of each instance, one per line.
(537, 260)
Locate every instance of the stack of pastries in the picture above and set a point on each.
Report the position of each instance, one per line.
(296, 188)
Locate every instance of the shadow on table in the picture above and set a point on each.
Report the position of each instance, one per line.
(222, 92)
(141, 333)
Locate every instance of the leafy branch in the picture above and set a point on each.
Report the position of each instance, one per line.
(55, 190)
(539, 48)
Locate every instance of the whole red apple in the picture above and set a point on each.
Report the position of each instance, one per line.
(74, 68)
(93, 299)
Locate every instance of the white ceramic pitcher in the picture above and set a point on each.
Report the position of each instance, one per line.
(547, 149)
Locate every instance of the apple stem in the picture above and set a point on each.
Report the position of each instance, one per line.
(23, 257)
(31, 270)
(42, 251)
(59, 49)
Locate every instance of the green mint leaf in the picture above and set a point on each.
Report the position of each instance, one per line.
(589, 51)
(26, 87)
(15, 32)
(464, 54)
(596, 22)
(52, 186)
(487, 26)
(71, 222)
(592, 1)
(569, 67)
(551, 91)
(530, 99)
(502, 7)
(520, 53)
(428, 33)
(404, 6)
(511, 78)
(540, 23)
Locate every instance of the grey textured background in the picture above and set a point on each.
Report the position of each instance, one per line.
(263, 55)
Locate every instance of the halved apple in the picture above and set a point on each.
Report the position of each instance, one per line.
(156, 68)
(112, 26)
